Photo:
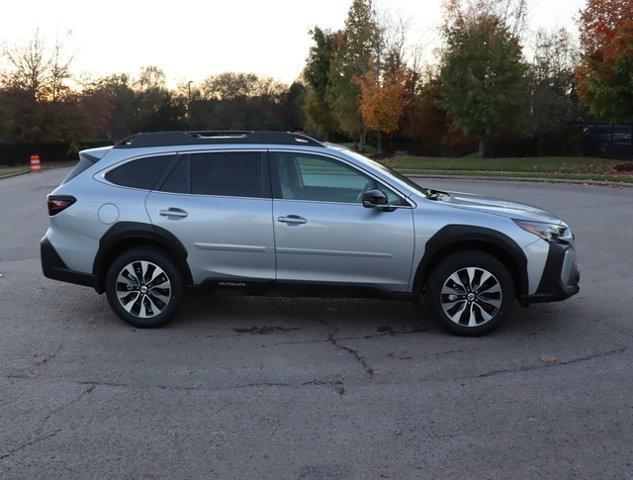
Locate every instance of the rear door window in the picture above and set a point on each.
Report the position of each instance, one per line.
(234, 174)
(178, 179)
(143, 173)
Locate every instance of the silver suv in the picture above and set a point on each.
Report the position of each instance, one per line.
(283, 214)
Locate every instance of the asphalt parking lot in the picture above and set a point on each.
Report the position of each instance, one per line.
(269, 388)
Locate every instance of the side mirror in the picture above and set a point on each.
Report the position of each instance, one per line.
(374, 198)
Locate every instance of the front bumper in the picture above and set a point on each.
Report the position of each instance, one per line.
(54, 267)
(560, 277)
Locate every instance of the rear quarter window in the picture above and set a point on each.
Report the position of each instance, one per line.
(143, 173)
(85, 162)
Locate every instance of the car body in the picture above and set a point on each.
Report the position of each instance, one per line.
(280, 213)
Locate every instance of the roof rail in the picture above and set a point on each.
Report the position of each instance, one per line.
(203, 137)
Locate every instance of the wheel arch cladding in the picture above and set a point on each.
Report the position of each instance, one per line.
(124, 235)
(455, 238)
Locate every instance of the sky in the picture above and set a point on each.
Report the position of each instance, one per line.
(193, 39)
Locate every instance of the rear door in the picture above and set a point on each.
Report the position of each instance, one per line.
(218, 204)
(323, 234)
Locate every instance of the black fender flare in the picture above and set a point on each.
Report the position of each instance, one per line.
(137, 232)
(452, 238)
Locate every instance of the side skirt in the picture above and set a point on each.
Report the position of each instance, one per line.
(271, 288)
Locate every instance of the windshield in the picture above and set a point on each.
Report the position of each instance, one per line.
(407, 181)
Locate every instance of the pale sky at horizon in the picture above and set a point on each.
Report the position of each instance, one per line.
(200, 38)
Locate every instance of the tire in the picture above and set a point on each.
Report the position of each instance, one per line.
(138, 299)
(476, 281)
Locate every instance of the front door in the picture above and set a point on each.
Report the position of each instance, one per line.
(324, 234)
(219, 206)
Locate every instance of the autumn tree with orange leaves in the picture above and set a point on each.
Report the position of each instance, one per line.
(382, 100)
(605, 74)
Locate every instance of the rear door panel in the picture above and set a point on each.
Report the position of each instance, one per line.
(226, 237)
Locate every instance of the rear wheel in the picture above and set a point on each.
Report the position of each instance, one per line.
(470, 293)
(144, 287)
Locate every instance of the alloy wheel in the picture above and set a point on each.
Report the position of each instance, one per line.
(471, 296)
(143, 289)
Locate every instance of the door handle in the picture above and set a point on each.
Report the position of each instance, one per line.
(292, 219)
(173, 212)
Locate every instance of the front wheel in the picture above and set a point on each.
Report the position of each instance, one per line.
(470, 293)
(144, 287)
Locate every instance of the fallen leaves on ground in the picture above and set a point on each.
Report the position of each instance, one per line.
(547, 359)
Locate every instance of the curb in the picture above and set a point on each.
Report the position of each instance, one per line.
(50, 167)
(14, 174)
(569, 181)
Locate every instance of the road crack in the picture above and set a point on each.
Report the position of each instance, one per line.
(29, 443)
(359, 358)
(528, 368)
(355, 353)
(55, 411)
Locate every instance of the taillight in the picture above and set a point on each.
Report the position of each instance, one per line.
(57, 203)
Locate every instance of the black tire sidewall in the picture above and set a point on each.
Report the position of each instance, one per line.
(164, 261)
(457, 261)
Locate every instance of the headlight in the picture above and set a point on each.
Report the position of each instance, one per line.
(551, 232)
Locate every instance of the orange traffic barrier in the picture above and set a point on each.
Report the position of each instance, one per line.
(35, 163)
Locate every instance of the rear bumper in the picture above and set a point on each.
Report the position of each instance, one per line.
(560, 276)
(54, 267)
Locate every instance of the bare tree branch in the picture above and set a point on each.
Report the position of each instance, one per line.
(41, 72)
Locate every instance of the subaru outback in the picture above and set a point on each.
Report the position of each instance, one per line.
(282, 214)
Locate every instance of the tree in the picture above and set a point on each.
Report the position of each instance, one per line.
(427, 123)
(554, 101)
(42, 73)
(155, 106)
(483, 77)
(121, 97)
(150, 78)
(315, 73)
(601, 20)
(382, 100)
(605, 74)
(511, 13)
(231, 86)
(245, 101)
(354, 56)
(38, 103)
(293, 102)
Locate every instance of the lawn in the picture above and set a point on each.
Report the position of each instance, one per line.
(569, 168)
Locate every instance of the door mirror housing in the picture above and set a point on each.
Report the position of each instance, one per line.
(374, 198)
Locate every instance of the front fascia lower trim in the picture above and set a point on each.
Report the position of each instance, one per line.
(551, 287)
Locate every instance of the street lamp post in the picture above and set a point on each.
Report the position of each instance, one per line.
(189, 104)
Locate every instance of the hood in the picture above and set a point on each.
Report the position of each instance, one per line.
(496, 206)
